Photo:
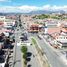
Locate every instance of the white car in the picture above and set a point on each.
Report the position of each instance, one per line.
(2, 65)
(25, 42)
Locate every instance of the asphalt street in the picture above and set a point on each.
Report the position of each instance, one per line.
(53, 57)
(17, 53)
(34, 62)
(18, 59)
(17, 56)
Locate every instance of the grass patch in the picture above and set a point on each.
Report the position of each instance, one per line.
(33, 41)
(24, 51)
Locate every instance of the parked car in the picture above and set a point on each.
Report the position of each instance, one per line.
(23, 38)
(17, 29)
(28, 59)
(2, 52)
(29, 65)
(29, 54)
(2, 61)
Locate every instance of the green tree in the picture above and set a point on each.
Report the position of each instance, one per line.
(24, 49)
(25, 62)
(24, 55)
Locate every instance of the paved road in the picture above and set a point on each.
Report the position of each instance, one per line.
(18, 55)
(52, 56)
(18, 61)
(34, 60)
(17, 52)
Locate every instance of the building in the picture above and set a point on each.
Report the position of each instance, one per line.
(9, 22)
(62, 36)
(35, 28)
(59, 34)
(6, 24)
(2, 17)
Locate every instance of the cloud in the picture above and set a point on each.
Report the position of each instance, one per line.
(46, 7)
(2, 0)
(6, 9)
(27, 8)
(5, 0)
(23, 9)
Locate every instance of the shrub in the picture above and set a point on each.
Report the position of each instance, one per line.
(24, 49)
(24, 55)
(25, 62)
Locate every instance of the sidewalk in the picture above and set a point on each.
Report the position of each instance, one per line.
(18, 62)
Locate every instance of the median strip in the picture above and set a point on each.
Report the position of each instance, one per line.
(40, 52)
(24, 51)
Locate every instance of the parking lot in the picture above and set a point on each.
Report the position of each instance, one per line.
(33, 60)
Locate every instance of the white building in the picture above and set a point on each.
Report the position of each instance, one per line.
(6, 22)
(2, 17)
(9, 23)
(62, 36)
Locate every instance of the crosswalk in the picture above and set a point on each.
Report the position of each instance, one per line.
(24, 44)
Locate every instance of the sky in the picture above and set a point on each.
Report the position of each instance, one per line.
(26, 6)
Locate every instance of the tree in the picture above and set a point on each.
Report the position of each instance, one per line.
(24, 55)
(25, 62)
(24, 49)
(20, 24)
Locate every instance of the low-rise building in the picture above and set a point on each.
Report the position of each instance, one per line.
(2, 17)
(35, 28)
(62, 36)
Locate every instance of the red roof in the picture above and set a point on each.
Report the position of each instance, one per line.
(53, 30)
(1, 23)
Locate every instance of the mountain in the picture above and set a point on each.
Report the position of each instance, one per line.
(36, 12)
(2, 14)
(5, 14)
(47, 12)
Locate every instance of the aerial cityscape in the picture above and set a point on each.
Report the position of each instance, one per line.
(33, 33)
